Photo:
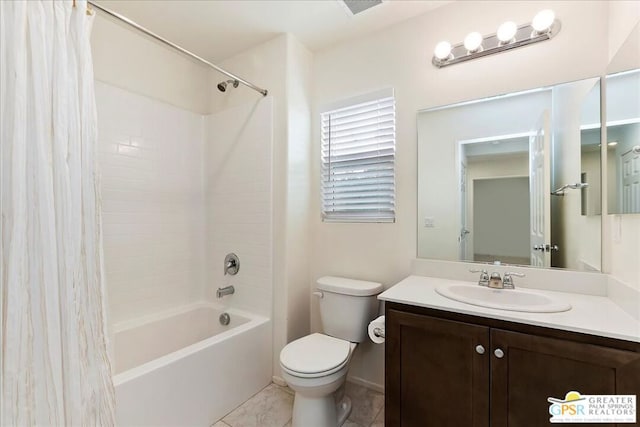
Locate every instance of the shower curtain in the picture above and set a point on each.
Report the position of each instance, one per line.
(55, 368)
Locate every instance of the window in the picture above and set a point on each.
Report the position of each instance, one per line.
(358, 157)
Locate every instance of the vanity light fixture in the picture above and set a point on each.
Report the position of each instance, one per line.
(506, 32)
(544, 26)
(473, 42)
(443, 51)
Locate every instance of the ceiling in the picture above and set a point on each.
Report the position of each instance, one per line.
(218, 29)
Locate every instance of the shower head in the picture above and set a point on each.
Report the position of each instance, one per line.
(222, 86)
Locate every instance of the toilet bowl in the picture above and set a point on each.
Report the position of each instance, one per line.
(316, 366)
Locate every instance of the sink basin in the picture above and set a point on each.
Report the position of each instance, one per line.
(502, 299)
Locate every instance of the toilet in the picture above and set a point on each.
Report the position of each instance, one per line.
(315, 366)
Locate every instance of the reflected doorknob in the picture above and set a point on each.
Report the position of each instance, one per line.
(546, 248)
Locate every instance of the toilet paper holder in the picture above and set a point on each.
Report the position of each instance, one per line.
(378, 332)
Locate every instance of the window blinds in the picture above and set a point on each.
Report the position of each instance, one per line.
(358, 160)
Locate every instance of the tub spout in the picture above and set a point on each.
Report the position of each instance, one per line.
(227, 290)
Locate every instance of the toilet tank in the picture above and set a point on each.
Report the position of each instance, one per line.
(347, 306)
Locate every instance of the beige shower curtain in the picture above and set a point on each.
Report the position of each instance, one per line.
(54, 362)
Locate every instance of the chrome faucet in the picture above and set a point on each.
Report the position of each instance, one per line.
(227, 290)
(495, 281)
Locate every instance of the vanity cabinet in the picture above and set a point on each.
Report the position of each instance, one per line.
(447, 369)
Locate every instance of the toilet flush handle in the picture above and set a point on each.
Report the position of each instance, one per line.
(318, 294)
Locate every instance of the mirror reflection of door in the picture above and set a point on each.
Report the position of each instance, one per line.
(630, 171)
(623, 142)
(501, 216)
(465, 235)
(623, 153)
(495, 201)
(540, 182)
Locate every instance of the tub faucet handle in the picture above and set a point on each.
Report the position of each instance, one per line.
(231, 264)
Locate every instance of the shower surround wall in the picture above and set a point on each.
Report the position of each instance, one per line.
(238, 198)
(152, 203)
(180, 191)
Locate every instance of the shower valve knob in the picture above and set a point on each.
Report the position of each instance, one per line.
(231, 264)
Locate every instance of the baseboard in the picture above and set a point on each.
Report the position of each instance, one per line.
(279, 381)
(367, 384)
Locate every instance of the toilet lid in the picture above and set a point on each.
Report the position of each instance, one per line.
(314, 353)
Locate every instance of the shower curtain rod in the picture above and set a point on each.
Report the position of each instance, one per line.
(175, 46)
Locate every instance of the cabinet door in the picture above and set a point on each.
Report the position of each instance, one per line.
(435, 376)
(535, 368)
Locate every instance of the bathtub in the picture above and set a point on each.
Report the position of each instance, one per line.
(183, 368)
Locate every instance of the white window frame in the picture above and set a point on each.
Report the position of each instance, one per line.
(374, 199)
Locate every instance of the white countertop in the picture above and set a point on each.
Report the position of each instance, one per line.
(594, 315)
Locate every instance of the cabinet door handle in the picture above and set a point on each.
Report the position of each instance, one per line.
(479, 349)
(499, 353)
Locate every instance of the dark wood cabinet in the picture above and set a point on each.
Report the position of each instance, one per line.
(447, 369)
(434, 373)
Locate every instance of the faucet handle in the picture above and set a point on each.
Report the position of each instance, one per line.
(508, 279)
(484, 276)
(231, 264)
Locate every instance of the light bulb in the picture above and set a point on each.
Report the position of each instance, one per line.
(507, 31)
(442, 50)
(543, 20)
(473, 41)
(612, 143)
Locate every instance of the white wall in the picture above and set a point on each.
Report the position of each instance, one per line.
(125, 58)
(150, 157)
(400, 57)
(283, 67)
(623, 19)
(299, 159)
(238, 212)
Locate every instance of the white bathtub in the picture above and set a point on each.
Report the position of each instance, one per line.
(182, 368)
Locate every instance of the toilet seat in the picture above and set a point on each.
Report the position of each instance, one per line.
(315, 355)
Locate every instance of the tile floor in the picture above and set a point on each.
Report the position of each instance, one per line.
(272, 407)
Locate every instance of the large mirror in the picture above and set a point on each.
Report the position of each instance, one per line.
(623, 128)
(513, 179)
